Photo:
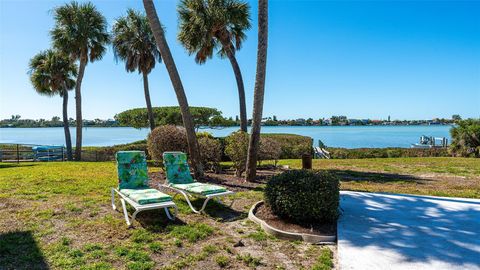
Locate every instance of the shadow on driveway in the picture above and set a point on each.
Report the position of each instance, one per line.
(389, 231)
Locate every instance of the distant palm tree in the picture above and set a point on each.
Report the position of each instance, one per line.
(134, 43)
(177, 86)
(206, 25)
(52, 73)
(80, 31)
(259, 91)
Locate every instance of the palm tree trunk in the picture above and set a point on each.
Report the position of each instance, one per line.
(241, 89)
(177, 86)
(78, 106)
(259, 90)
(151, 120)
(66, 126)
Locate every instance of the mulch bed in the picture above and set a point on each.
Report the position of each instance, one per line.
(266, 214)
(227, 178)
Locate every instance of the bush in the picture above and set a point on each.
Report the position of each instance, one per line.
(392, 152)
(270, 149)
(466, 138)
(292, 145)
(210, 152)
(304, 196)
(236, 147)
(166, 138)
(107, 153)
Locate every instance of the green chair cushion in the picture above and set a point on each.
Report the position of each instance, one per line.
(200, 188)
(146, 195)
(176, 168)
(132, 169)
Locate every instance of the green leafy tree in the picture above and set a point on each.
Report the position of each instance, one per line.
(80, 31)
(466, 138)
(456, 117)
(162, 44)
(171, 115)
(259, 91)
(52, 73)
(209, 25)
(133, 42)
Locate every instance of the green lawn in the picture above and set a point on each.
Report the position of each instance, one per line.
(58, 216)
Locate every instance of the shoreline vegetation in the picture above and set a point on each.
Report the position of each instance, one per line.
(212, 119)
(289, 150)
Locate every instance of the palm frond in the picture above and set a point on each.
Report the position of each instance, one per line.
(209, 25)
(133, 42)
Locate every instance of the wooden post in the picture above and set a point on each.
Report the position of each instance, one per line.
(307, 161)
(18, 155)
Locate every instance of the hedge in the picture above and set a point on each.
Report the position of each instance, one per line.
(392, 152)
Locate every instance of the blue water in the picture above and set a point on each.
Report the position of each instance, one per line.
(341, 136)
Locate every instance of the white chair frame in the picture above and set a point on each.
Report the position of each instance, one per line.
(186, 194)
(142, 207)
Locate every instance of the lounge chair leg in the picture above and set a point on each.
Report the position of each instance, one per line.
(204, 204)
(134, 215)
(113, 200)
(221, 201)
(125, 212)
(188, 201)
(168, 213)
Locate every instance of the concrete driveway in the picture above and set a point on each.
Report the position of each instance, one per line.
(392, 231)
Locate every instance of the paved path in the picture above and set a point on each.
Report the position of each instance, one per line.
(390, 231)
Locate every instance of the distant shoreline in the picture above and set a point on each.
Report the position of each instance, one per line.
(282, 126)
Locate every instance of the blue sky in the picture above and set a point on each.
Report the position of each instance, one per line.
(407, 59)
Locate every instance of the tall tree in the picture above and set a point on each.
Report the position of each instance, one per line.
(80, 31)
(134, 43)
(177, 85)
(52, 73)
(206, 25)
(259, 90)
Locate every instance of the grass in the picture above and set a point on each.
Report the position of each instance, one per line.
(58, 216)
(249, 260)
(61, 218)
(324, 261)
(437, 176)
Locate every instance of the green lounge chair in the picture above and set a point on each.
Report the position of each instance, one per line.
(133, 186)
(180, 181)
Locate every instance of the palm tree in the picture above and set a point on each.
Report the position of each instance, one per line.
(206, 25)
(134, 43)
(80, 32)
(177, 85)
(259, 90)
(52, 73)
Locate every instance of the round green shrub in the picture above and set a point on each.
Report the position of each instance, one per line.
(236, 147)
(210, 152)
(270, 149)
(166, 138)
(304, 196)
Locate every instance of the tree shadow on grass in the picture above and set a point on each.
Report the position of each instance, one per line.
(233, 183)
(156, 220)
(14, 165)
(223, 213)
(18, 250)
(219, 211)
(376, 177)
(412, 229)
